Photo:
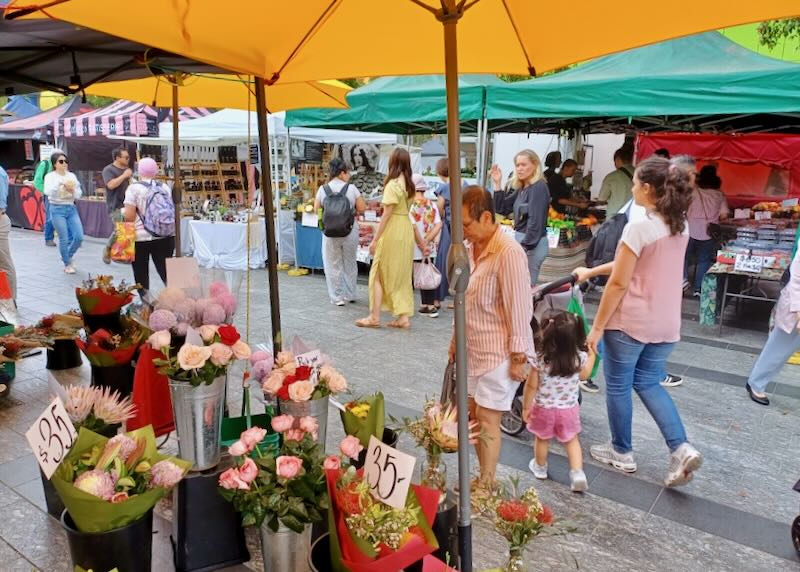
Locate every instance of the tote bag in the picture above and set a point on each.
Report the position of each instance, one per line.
(426, 275)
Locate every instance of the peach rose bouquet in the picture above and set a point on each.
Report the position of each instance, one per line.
(200, 364)
(290, 381)
(286, 487)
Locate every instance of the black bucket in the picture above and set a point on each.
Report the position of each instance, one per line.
(64, 355)
(445, 528)
(55, 507)
(117, 377)
(319, 557)
(390, 437)
(128, 549)
(109, 322)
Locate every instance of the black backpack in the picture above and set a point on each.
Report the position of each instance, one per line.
(338, 215)
(603, 245)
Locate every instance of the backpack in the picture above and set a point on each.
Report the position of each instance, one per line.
(603, 245)
(338, 215)
(158, 217)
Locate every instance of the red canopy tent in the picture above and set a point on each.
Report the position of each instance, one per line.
(753, 167)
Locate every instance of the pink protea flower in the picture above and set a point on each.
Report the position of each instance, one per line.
(111, 407)
(127, 446)
(165, 474)
(97, 483)
(162, 320)
(214, 314)
(79, 403)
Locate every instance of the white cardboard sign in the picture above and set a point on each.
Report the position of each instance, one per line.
(51, 436)
(310, 220)
(371, 216)
(745, 263)
(311, 359)
(388, 472)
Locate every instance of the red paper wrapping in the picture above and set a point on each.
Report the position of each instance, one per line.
(354, 560)
(95, 302)
(151, 395)
(432, 564)
(106, 358)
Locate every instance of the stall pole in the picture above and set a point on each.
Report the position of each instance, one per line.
(177, 191)
(458, 265)
(269, 215)
(288, 154)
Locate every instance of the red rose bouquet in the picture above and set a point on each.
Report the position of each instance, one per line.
(98, 296)
(104, 349)
(289, 381)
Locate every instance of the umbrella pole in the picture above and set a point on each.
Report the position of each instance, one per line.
(458, 261)
(177, 194)
(269, 215)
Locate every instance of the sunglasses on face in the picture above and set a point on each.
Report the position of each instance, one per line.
(62, 161)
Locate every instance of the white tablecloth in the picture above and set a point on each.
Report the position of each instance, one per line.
(224, 244)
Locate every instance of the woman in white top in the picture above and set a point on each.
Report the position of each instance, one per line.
(339, 252)
(159, 248)
(62, 188)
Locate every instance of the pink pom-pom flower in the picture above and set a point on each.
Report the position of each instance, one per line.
(216, 289)
(181, 328)
(162, 320)
(261, 369)
(228, 303)
(214, 314)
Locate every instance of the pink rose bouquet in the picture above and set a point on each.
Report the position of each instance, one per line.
(284, 378)
(287, 487)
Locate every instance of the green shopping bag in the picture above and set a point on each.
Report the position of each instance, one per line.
(575, 307)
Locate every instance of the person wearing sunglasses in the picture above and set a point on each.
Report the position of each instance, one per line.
(62, 188)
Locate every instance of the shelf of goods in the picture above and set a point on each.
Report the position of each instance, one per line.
(771, 239)
(209, 180)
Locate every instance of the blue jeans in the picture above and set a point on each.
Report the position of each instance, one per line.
(49, 232)
(705, 251)
(779, 347)
(69, 228)
(630, 364)
(536, 256)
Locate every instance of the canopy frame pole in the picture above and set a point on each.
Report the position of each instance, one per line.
(177, 190)
(458, 264)
(269, 215)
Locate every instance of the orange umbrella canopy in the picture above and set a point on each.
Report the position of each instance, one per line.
(320, 39)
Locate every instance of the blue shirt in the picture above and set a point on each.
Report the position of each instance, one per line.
(3, 189)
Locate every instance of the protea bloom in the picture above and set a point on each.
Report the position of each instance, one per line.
(443, 426)
(111, 407)
(79, 403)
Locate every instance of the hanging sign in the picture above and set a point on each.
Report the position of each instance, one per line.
(750, 264)
(388, 472)
(311, 359)
(51, 436)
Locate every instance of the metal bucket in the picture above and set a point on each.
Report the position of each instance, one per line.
(198, 420)
(285, 550)
(317, 408)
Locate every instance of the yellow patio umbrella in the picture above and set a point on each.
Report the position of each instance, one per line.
(224, 91)
(283, 41)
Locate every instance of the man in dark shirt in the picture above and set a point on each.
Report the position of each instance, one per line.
(560, 193)
(117, 177)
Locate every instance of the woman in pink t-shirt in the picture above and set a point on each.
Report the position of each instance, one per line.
(639, 318)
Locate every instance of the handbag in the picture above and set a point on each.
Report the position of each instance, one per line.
(124, 247)
(448, 393)
(426, 275)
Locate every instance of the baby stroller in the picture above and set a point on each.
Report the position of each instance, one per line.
(552, 295)
(796, 526)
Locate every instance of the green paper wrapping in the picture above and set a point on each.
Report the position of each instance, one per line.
(372, 425)
(93, 514)
(575, 307)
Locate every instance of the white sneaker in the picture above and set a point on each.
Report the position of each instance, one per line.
(69, 269)
(606, 454)
(682, 464)
(577, 481)
(340, 303)
(539, 471)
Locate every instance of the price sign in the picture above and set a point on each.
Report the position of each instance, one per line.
(371, 216)
(751, 264)
(311, 359)
(362, 255)
(388, 472)
(51, 437)
(763, 215)
(553, 236)
(741, 214)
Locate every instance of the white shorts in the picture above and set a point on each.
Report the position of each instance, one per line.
(494, 389)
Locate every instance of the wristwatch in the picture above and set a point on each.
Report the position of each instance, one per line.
(519, 359)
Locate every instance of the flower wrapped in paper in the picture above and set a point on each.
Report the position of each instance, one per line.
(109, 483)
(99, 295)
(61, 326)
(369, 536)
(293, 381)
(104, 349)
(364, 417)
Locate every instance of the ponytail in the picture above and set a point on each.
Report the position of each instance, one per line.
(673, 190)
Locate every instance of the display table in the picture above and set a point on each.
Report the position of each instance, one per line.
(308, 246)
(224, 244)
(719, 275)
(94, 217)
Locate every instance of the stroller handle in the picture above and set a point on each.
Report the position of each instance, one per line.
(549, 287)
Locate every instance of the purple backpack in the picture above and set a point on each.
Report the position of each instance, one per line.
(158, 217)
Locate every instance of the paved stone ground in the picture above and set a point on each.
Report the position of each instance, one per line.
(735, 515)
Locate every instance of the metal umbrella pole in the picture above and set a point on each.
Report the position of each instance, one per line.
(269, 215)
(458, 265)
(177, 190)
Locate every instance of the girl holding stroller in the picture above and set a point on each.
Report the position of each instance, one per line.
(550, 399)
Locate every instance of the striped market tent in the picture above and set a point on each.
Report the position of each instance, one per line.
(122, 118)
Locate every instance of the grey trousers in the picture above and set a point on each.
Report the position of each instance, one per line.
(6, 262)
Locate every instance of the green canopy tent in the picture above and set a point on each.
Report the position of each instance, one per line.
(697, 83)
(409, 105)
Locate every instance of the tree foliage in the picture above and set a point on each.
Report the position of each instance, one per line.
(771, 32)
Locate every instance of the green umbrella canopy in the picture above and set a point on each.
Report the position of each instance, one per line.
(705, 74)
(402, 104)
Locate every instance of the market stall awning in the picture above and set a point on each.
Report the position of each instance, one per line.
(22, 106)
(119, 118)
(656, 87)
(402, 104)
(225, 91)
(40, 126)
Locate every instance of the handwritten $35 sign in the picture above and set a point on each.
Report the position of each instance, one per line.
(51, 436)
(388, 472)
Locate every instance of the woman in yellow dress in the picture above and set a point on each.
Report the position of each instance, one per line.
(392, 249)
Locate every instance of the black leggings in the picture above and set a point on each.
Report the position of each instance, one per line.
(160, 249)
